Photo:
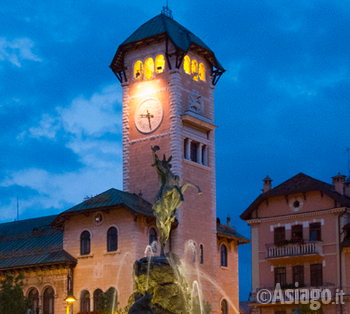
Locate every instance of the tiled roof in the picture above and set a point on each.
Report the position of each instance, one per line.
(229, 232)
(298, 184)
(160, 25)
(31, 242)
(110, 199)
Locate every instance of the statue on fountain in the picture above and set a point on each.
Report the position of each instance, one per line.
(169, 197)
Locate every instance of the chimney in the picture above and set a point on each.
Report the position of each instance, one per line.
(338, 182)
(347, 188)
(228, 221)
(267, 184)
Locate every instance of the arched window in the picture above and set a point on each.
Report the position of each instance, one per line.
(201, 72)
(85, 243)
(97, 299)
(201, 254)
(112, 239)
(111, 300)
(223, 255)
(160, 64)
(149, 68)
(49, 301)
(152, 236)
(138, 70)
(194, 69)
(224, 307)
(33, 297)
(85, 301)
(187, 64)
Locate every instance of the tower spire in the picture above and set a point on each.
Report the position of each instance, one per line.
(166, 11)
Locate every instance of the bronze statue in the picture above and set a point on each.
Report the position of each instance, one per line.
(169, 197)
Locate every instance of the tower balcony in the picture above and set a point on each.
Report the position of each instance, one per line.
(294, 249)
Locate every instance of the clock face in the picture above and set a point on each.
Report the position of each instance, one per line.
(149, 115)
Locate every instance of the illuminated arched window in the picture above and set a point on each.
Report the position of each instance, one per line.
(201, 72)
(160, 64)
(85, 301)
(138, 70)
(49, 301)
(223, 255)
(224, 307)
(112, 239)
(194, 69)
(149, 68)
(85, 243)
(33, 297)
(98, 295)
(187, 64)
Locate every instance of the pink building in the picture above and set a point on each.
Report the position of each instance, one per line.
(300, 235)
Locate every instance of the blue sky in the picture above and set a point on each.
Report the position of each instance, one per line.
(282, 107)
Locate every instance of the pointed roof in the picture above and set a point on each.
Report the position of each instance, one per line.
(158, 28)
(297, 184)
(110, 199)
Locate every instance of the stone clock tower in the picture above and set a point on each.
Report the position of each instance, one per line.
(168, 76)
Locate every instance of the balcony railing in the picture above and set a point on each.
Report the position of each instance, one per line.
(294, 249)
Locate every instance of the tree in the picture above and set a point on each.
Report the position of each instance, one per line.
(12, 299)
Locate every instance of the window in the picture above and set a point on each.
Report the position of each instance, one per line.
(201, 254)
(194, 69)
(85, 243)
(160, 64)
(224, 307)
(149, 68)
(194, 151)
(315, 231)
(33, 297)
(201, 72)
(112, 239)
(297, 233)
(49, 301)
(280, 276)
(298, 275)
(152, 236)
(280, 312)
(111, 300)
(85, 301)
(316, 275)
(187, 64)
(279, 235)
(138, 70)
(223, 255)
(97, 299)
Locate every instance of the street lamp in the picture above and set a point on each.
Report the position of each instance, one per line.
(70, 299)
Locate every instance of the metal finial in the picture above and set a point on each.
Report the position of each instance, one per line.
(166, 11)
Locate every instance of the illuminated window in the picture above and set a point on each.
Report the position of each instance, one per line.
(223, 255)
(85, 301)
(187, 64)
(85, 243)
(49, 301)
(194, 69)
(138, 70)
(160, 64)
(201, 72)
(149, 68)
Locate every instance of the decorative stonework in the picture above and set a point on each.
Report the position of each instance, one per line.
(148, 138)
(126, 169)
(195, 102)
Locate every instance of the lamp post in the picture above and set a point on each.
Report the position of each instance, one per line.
(70, 299)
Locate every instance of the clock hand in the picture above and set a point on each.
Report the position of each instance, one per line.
(148, 116)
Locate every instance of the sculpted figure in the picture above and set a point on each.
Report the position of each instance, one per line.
(142, 305)
(169, 197)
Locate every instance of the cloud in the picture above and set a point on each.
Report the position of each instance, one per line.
(17, 50)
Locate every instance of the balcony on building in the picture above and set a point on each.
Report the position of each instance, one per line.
(293, 249)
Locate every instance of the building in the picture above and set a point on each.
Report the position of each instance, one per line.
(168, 76)
(300, 233)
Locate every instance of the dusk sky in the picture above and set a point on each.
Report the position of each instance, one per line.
(282, 107)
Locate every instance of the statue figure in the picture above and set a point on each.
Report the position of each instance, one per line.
(169, 197)
(142, 305)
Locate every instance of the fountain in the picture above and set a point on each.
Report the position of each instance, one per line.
(160, 280)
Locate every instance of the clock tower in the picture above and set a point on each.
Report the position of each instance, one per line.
(168, 76)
